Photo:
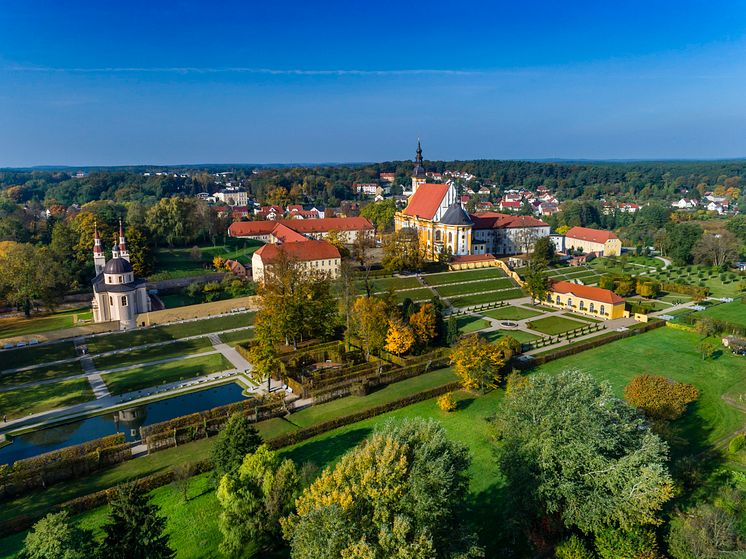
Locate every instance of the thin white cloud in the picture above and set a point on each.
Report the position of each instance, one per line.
(243, 70)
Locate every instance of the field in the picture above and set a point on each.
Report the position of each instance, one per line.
(671, 353)
(10, 327)
(734, 312)
(511, 312)
(135, 338)
(139, 378)
(23, 357)
(143, 355)
(178, 262)
(479, 299)
(721, 284)
(467, 324)
(42, 373)
(553, 325)
(24, 401)
(421, 294)
(385, 284)
(581, 317)
(237, 337)
(474, 287)
(519, 335)
(467, 275)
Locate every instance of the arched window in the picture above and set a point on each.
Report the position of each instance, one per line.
(437, 236)
(549, 297)
(558, 300)
(602, 310)
(592, 308)
(569, 301)
(450, 237)
(582, 305)
(124, 300)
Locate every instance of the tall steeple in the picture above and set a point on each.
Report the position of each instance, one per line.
(99, 258)
(418, 173)
(122, 244)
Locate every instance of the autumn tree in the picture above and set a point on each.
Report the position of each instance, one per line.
(370, 322)
(660, 397)
(399, 338)
(362, 253)
(402, 251)
(480, 364)
(337, 239)
(424, 324)
(721, 249)
(29, 275)
(381, 214)
(571, 449)
(254, 499)
(401, 493)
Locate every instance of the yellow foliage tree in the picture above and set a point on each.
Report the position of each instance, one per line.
(424, 324)
(218, 263)
(478, 363)
(370, 317)
(399, 338)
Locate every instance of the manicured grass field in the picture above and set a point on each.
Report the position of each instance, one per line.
(468, 300)
(237, 337)
(10, 327)
(552, 325)
(42, 373)
(144, 336)
(175, 300)
(467, 324)
(674, 354)
(581, 317)
(467, 275)
(511, 312)
(421, 294)
(734, 312)
(519, 335)
(132, 380)
(168, 351)
(728, 284)
(24, 401)
(474, 287)
(385, 284)
(23, 357)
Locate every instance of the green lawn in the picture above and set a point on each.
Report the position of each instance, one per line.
(42, 373)
(511, 312)
(674, 354)
(467, 324)
(466, 275)
(24, 401)
(468, 300)
(731, 286)
(168, 351)
(145, 377)
(553, 325)
(10, 327)
(581, 317)
(175, 300)
(144, 336)
(474, 287)
(421, 294)
(237, 337)
(519, 335)
(32, 355)
(734, 312)
(386, 284)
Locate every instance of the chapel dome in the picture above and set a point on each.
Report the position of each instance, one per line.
(117, 266)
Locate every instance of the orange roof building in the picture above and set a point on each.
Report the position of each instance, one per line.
(586, 299)
(347, 227)
(320, 256)
(603, 243)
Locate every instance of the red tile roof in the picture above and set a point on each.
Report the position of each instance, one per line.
(495, 220)
(252, 228)
(286, 235)
(587, 292)
(305, 251)
(426, 200)
(592, 235)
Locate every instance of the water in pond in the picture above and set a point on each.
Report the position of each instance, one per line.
(126, 421)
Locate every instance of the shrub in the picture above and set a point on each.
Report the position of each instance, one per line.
(638, 543)
(660, 397)
(737, 443)
(447, 402)
(573, 548)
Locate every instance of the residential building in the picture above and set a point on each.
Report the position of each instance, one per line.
(368, 188)
(348, 228)
(233, 196)
(313, 255)
(586, 299)
(603, 243)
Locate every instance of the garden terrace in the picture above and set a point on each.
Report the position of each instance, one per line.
(68, 318)
(32, 355)
(734, 312)
(451, 290)
(46, 372)
(445, 278)
(511, 312)
(720, 284)
(153, 353)
(44, 397)
(178, 262)
(489, 297)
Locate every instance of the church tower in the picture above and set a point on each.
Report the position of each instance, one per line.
(99, 258)
(418, 174)
(122, 244)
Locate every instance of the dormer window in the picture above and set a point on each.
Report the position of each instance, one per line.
(120, 279)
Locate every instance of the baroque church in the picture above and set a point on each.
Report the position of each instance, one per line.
(446, 229)
(117, 294)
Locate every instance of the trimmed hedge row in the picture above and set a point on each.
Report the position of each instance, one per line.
(695, 291)
(148, 483)
(62, 465)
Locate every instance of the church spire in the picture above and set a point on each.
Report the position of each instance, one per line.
(123, 253)
(419, 168)
(99, 258)
(97, 248)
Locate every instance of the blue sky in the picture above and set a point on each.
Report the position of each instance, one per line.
(105, 83)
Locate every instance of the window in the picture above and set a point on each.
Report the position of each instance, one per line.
(569, 301)
(592, 308)
(120, 279)
(558, 300)
(602, 310)
(111, 301)
(124, 300)
(108, 279)
(582, 305)
(437, 236)
(549, 297)
(450, 237)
